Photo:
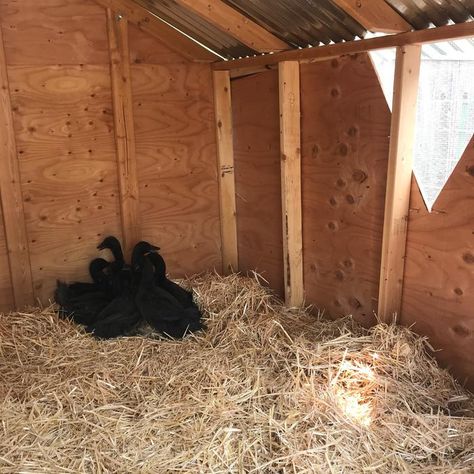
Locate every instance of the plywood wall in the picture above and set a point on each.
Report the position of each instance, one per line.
(61, 93)
(257, 176)
(345, 138)
(60, 90)
(438, 295)
(176, 156)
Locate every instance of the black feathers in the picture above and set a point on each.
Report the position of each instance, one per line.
(121, 295)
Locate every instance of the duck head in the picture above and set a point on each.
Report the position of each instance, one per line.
(96, 269)
(113, 244)
(140, 251)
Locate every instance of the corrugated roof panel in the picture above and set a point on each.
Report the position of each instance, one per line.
(421, 13)
(199, 29)
(301, 22)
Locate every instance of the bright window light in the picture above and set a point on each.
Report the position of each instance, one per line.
(445, 110)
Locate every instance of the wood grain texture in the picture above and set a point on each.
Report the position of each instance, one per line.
(323, 53)
(290, 154)
(400, 168)
(236, 24)
(54, 32)
(226, 175)
(10, 197)
(257, 174)
(124, 130)
(146, 49)
(177, 164)
(6, 291)
(375, 15)
(64, 132)
(345, 129)
(151, 24)
(438, 294)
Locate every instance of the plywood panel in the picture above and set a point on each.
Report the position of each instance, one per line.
(257, 173)
(65, 142)
(438, 295)
(146, 49)
(345, 129)
(54, 32)
(177, 164)
(6, 294)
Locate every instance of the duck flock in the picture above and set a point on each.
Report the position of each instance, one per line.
(123, 296)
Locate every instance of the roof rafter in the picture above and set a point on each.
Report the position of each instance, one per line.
(232, 22)
(375, 15)
(152, 25)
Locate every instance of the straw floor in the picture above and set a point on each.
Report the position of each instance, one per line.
(263, 390)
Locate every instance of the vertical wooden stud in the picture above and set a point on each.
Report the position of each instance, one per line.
(10, 194)
(117, 28)
(225, 156)
(290, 148)
(400, 166)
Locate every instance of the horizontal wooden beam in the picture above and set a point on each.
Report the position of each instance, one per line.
(375, 15)
(322, 53)
(230, 21)
(154, 26)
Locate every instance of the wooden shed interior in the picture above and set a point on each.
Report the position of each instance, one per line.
(114, 120)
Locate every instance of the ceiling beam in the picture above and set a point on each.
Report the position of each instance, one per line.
(375, 15)
(322, 53)
(230, 21)
(152, 25)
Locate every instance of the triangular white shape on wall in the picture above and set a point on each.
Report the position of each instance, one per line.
(445, 110)
(444, 123)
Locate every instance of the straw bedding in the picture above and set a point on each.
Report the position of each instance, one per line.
(264, 389)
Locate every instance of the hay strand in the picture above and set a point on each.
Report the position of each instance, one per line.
(264, 389)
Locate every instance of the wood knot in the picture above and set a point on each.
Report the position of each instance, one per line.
(352, 132)
(355, 303)
(461, 330)
(468, 257)
(350, 199)
(359, 176)
(343, 149)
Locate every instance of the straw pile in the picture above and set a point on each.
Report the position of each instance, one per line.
(264, 389)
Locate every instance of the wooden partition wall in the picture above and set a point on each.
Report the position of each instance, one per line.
(105, 130)
(345, 136)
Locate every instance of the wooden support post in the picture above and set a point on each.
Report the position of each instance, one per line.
(290, 148)
(225, 155)
(11, 197)
(397, 197)
(124, 130)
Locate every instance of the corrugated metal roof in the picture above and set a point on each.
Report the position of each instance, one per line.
(302, 23)
(421, 13)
